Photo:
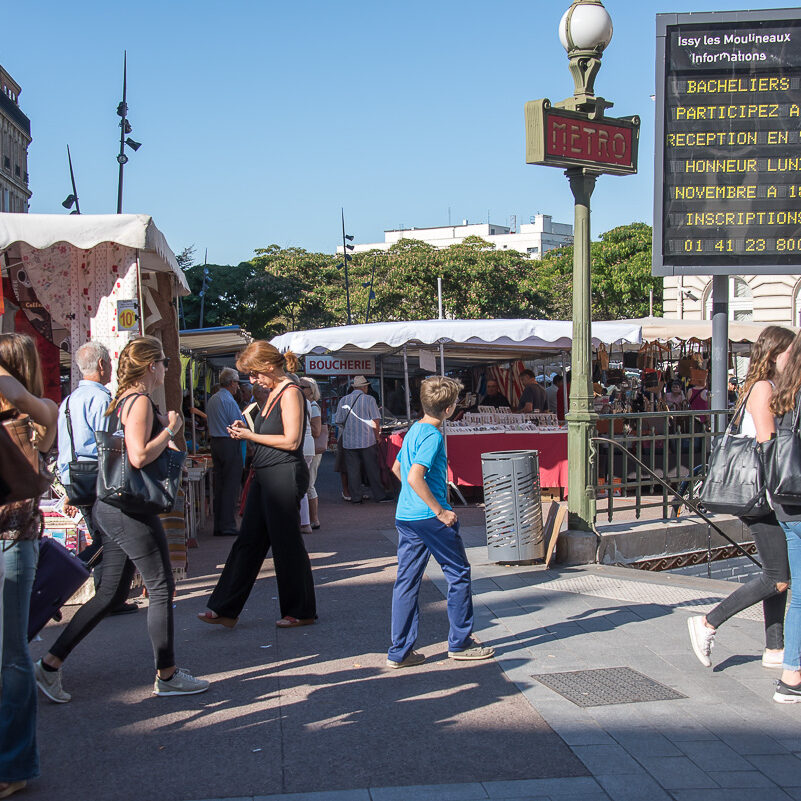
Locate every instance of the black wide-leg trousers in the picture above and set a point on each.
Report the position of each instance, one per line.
(271, 520)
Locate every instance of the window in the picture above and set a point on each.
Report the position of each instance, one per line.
(741, 301)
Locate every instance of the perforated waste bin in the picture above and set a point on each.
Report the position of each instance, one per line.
(513, 505)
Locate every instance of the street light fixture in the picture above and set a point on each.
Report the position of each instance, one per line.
(575, 134)
(71, 199)
(125, 129)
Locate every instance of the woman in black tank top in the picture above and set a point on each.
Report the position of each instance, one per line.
(272, 509)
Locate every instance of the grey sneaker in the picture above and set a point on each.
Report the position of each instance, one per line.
(786, 693)
(181, 683)
(702, 639)
(412, 659)
(49, 682)
(472, 653)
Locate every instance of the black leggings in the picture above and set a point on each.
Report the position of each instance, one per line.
(772, 546)
(129, 542)
(271, 519)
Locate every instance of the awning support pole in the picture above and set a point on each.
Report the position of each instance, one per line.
(406, 384)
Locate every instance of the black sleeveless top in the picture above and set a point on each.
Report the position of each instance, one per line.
(155, 429)
(273, 424)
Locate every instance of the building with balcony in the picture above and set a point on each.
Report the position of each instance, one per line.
(534, 239)
(15, 137)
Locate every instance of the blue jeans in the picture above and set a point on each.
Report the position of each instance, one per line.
(19, 755)
(417, 541)
(792, 623)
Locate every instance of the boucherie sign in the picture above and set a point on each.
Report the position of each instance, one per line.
(340, 364)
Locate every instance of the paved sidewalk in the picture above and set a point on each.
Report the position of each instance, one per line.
(311, 715)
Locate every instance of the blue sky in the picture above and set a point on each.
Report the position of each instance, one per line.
(259, 120)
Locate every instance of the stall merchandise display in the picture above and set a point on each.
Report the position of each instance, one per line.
(500, 421)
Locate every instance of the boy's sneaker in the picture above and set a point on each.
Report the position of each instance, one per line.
(472, 653)
(772, 659)
(181, 683)
(49, 682)
(412, 659)
(702, 639)
(786, 693)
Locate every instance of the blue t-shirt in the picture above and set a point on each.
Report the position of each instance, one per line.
(423, 445)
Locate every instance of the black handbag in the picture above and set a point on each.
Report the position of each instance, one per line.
(82, 487)
(136, 490)
(735, 481)
(781, 456)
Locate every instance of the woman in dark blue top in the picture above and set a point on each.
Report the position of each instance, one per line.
(272, 509)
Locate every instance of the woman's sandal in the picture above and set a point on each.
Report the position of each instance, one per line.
(8, 789)
(288, 622)
(212, 619)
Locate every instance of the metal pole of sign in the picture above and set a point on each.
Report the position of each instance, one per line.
(439, 296)
(564, 382)
(406, 384)
(192, 403)
(720, 347)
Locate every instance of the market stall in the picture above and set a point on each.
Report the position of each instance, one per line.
(454, 343)
(110, 277)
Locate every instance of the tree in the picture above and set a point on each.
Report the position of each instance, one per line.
(621, 276)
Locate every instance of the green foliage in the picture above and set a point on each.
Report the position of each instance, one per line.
(621, 276)
(285, 289)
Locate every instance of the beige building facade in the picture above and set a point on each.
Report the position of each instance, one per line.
(15, 137)
(757, 298)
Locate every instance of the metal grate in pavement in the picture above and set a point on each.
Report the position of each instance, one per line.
(644, 592)
(607, 686)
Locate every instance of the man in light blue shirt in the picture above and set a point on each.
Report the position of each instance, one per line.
(88, 405)
(226, 454)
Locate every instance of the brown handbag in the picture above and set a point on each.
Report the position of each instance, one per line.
(20, 461)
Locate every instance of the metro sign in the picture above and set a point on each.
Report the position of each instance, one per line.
(568, 139)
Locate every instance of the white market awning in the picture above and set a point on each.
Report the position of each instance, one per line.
(214, 341)
(85, 231)
(665, 329)
(493, 339)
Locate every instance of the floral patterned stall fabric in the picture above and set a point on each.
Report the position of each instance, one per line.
(80, 289)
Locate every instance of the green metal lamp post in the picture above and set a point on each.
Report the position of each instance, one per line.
(585, 30)
(575, 135)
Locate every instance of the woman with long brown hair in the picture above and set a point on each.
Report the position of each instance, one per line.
(20, 529)
(133, 540)
(272, 509)
(770, 586)
(784, 405)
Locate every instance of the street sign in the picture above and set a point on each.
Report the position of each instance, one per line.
(568, 139)
(127, 315)
(340, 364)
(727, 187)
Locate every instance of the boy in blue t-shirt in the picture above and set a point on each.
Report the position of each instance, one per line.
(428, 525)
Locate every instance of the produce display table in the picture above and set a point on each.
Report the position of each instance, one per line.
(464, 454)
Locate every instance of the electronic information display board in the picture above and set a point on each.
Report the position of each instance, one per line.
(727, 182)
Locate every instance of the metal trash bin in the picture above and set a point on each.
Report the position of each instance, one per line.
(513, 506)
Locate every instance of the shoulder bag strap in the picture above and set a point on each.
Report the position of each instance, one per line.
(69, 429)
(118, 411)
(277, 398)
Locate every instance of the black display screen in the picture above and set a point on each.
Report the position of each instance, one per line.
(732, 144)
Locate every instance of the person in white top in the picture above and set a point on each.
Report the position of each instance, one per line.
(312, 394)
(770, 586)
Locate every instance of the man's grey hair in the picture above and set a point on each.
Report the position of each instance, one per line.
(88, 355)
(228, 376)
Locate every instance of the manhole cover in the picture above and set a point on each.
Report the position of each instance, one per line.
(606, 686)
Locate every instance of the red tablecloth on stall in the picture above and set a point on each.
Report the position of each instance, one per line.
(464, 455)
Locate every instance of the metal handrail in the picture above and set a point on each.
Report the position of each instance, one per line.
(685, 501)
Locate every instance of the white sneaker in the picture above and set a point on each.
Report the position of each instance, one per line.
(49, 682)
(702, 639)
(772, 659)
(412, 659)
(181, 683)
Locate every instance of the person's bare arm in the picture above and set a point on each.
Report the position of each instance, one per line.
(138, 422)
(316, 426)
(377, 429)
(42, 411)
(396, 470)
(759, 406)
(292, 417)
(417, 482)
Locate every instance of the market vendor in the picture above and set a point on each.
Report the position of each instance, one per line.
(494, 397)
(533, 398)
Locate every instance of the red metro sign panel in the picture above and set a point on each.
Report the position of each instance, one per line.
(569, 139)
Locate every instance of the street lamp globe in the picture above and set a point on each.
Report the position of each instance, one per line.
(586, 25)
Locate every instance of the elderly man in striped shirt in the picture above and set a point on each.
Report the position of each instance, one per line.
(358, 413)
